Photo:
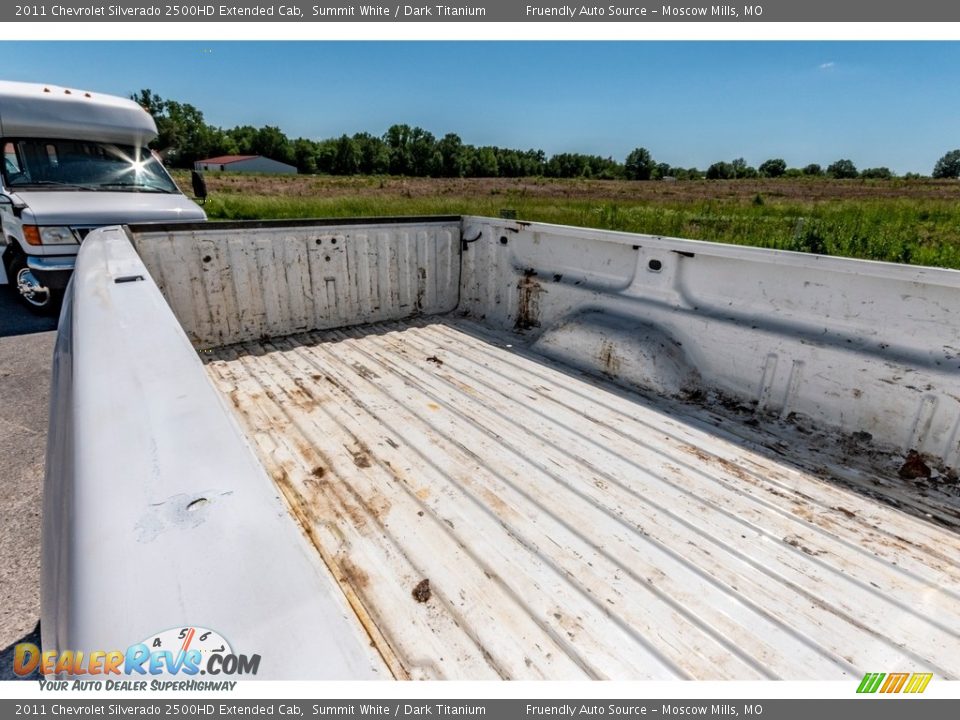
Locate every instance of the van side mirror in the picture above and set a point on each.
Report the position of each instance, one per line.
(8, 204)
(199, 186)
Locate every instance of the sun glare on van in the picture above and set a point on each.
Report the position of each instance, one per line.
(61, 164)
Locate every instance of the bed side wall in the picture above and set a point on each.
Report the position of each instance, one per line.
(235, 282)
(862, 347)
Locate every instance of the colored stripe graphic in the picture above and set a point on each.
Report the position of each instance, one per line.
(870, 682)
(894, 682)
(918, 683)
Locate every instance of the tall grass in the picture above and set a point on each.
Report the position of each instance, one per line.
(917, 231)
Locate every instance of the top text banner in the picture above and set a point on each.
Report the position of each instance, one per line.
(637, 11)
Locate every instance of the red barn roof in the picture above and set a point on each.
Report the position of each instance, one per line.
(227, 159)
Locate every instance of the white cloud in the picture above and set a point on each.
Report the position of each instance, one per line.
(827, 65)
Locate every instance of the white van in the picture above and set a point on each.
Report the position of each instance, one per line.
(73, 161)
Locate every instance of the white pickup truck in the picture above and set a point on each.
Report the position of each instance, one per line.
(471, 448)
(73, 160)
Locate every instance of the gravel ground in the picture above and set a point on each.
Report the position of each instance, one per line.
(26, 349)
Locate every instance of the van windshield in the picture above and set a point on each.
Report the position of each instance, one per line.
(82, 165)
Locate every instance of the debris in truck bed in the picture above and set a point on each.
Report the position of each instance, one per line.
(421, 593)
(914, 468)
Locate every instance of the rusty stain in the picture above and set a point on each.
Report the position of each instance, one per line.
(336, 383)
(311, 457)
(697, 453)
(914, 468)
(302, 398)
(421, 593)
(435, 359)
(848, 513)
(468, 389)
(361, 460)
(495, 502)
(794, 541)
(731, 467)
(528, 307)
(306, 520)
(379, 505)
(304, 387)
(354, 514)
(353, 574)
(364, 372)
(360, 453)
(319, 471)
(609, 362)
(433, 406)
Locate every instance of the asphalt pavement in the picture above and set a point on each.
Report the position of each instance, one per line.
(26, 350)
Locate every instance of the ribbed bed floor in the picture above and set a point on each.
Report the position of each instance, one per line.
(569, 529)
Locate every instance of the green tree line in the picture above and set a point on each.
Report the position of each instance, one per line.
(185, 137)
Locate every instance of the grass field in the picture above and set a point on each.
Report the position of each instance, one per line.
(907, 221)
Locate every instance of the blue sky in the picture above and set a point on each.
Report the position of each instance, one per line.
(689, 103)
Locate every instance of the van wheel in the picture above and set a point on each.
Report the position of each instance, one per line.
(33, 295)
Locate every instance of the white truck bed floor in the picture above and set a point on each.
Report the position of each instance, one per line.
(569, 528)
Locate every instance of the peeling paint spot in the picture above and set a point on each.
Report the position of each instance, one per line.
(178, 512)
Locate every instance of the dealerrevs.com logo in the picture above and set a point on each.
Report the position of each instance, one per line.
(176, 653)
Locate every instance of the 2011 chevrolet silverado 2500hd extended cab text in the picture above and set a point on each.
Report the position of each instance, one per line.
(463, 447)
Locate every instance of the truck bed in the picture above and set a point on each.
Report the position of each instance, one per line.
(473, 448)
(489, 512)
